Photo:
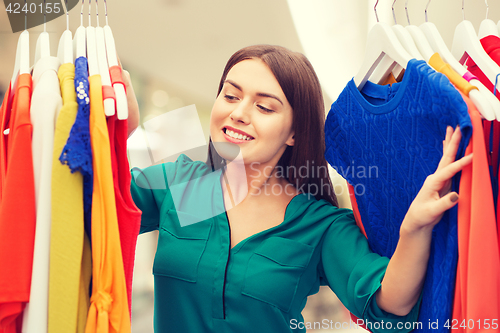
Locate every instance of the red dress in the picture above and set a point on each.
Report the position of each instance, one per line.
(17, 207)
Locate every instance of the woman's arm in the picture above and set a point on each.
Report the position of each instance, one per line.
(405, 274)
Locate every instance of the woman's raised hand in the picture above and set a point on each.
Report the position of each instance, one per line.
(434, 198)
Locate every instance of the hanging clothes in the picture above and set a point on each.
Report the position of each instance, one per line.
(129, 216)
(108, 304)
(397, 132)
(77, 152)
(478, 271)
(17, 217)
(46, 102)
(491, 45)
(67, 218)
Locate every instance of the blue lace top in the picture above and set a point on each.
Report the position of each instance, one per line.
(385, 140)
(77, 152)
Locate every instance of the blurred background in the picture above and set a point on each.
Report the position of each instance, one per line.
(175, 51)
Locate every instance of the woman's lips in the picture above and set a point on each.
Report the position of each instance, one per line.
(234, 140)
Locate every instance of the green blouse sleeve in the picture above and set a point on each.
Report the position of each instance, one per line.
(149, 187)
(354, 273)
(157, 188)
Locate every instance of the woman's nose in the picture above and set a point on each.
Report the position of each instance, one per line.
(241, 113)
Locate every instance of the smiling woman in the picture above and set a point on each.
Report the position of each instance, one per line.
(275, 91)
(244, 238)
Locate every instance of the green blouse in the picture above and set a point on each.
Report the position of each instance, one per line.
(262, 283)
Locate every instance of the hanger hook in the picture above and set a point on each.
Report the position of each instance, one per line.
(407, 15)
(394, 14)
(428, 3)
(106, 11)
(44, 18)
(487, 8)
(81, 14)
(463, 12)
(374, 9)
(25, 18)
(90, 10)
(97, 12)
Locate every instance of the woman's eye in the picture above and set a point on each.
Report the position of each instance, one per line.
(230, 97)
(265, 109)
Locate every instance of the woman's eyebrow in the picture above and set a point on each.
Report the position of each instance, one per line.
(237, 86)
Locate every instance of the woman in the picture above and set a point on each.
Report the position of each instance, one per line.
(248, 235)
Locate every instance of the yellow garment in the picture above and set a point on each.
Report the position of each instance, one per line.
(108, 305)
(66, 240)
(459, 82)
(390, 79)
(84, 300)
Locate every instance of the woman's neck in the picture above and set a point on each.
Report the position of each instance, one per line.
(241, 181)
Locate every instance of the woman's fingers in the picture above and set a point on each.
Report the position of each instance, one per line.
(443, 204)
(450, 147)
(447, 172)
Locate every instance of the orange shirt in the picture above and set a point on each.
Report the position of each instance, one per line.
(478, 271)
(108, 305)
(17, 209)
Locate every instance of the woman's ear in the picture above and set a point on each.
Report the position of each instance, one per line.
(291, 139)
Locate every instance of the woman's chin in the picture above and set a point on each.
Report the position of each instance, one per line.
(227, 150)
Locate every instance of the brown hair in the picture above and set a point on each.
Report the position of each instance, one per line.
(301, 87)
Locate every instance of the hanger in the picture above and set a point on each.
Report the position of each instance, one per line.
(42, 49)
(381, 41)
(65, 49)
(121, 96)
(487, 27)
(22, 64)
(418, 37)
(489, 109)
(109, 103)
(91, 46)
(404, 36)
(80, 40)
(466, 44)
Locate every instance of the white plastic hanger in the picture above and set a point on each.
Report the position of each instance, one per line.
(43, 42)
(91, 46)
(405, 37)
(65, 49)
(418, 37)
(488, 105)
(121, 96)
(466, 44)
(109, 103)
(80, 40)
(22, 64)
(381, 41)
(487, 27)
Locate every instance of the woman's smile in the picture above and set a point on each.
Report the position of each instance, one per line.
(234, 135)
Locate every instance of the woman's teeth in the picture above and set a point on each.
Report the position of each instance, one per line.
(237, 135)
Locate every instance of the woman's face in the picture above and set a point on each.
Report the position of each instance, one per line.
(253, 113)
